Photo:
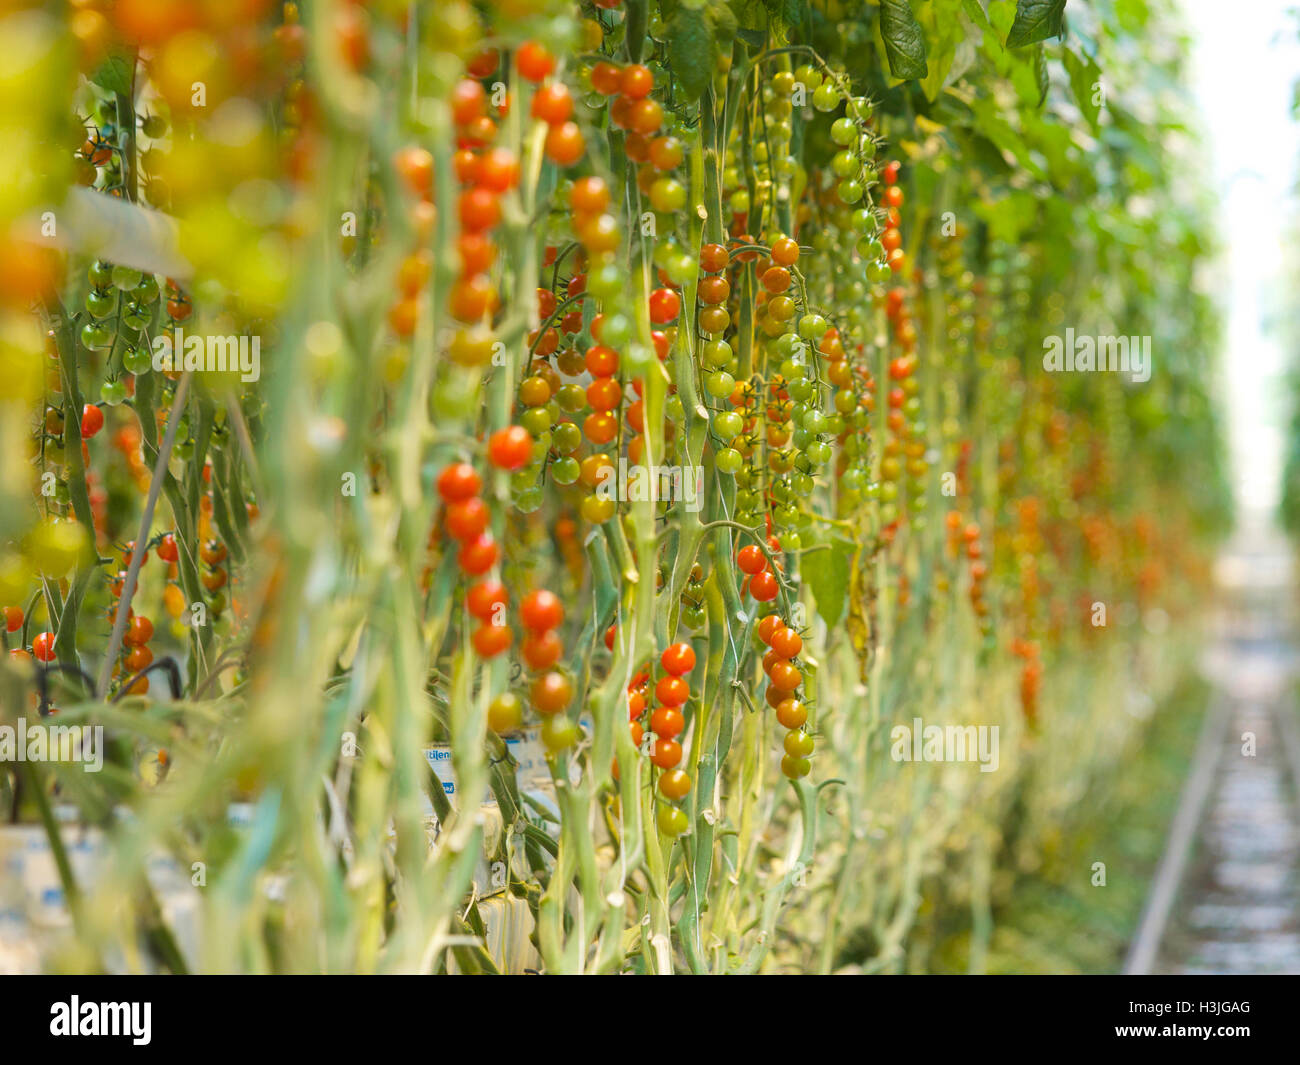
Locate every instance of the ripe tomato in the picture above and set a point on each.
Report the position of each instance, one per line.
(478, 209)
(485, 599)
(678, 659)
(479, 555)
(498, 169)
(636, 81)
(541, 650)
(785, 675)
(791, 713)
(551, 692)
(667, 722)
(666, 754)
(139, 631)
(490, 640)
(606, 79)
(467, 519)
(763, 586)
(542, 610)
(785, 252)
(43, 646)
(468, 101)
(552, 103)
(13, 618)
(534, 61)
(675, 784)
(138, 659)
(664, 305)
(565, 144)
(672, 691)
(602, 361)
(92, 420)
(414, 165)
(751, 559)
(510, 448)
(589, 195)
(457, 482)
(786, 642)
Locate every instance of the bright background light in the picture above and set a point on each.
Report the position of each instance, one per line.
(1245, 60)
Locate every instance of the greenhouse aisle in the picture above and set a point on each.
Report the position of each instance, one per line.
(1227, 896)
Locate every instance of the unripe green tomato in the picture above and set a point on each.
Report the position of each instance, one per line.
(826, 97)
(126, 277)
(455, 397)
(571, 397)
(112, 392)
(673, 408)
(818, 452)
(716, 354)
(616, 330)
(798, 744)
(802, 389)
(100, 273)
(850, 190)
(844, 164)
(96, 335)
(672, 820)
(536, 420)
(566, 438)
(719, 384)
(559, 733)
(136, 360)
(529, 500)
(606, 281)
(729, 461)
(795, 768)
(566, 470)
(813, 327)
(844, 131)
(728, 424)
(808, 76)
(101, 302)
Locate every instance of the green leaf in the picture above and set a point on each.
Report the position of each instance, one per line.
(116, 73)
(904, 43)
(826, 571)
(977, 14)
(691, 50)
(1085, 83)
(1036, 20)
(724, 24)
(1040, 72)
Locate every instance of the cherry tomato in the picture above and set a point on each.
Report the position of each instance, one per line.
(92, 420)
(542, 610)
(550, 693)
(456, 483)
(678, 659)
(510, 448)
(667, 722)
(43, 646)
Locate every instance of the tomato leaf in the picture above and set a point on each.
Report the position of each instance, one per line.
(826, 572)
(690, 50)
(1036, 20)
(116, 73)
(977, 14)
(904, 42)
(1085, 83)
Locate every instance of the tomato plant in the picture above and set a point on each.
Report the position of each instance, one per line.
(592, 432)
